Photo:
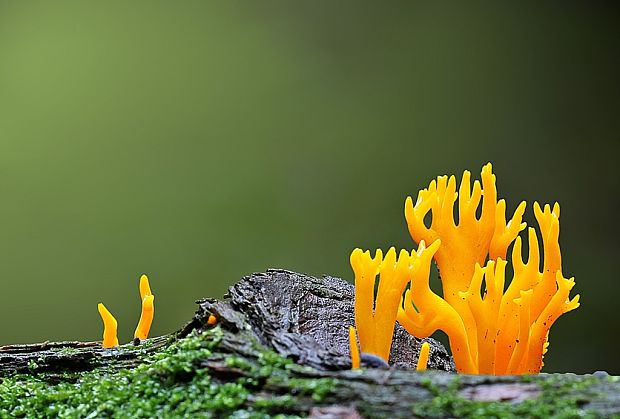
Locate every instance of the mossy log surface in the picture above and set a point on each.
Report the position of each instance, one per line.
(267, 357)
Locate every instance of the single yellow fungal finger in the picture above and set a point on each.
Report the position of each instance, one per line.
(146, 318)
(365, 268)
(465, 192)
(212, 320)
(522, 340)
(423, 357)
(110, 340)
(145, 288)
(489, 195)
(476, 195)
(450, 197)
(355, 352)
(517, 256)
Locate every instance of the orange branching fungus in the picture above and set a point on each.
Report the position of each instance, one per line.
(498, 332)
(423, 357)
(375, 318)
(148, 310)
(492, 328)
(423, 312)
(470, 241)
(109, 327)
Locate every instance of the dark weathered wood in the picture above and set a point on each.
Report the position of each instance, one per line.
(73, 356)
(307, 319)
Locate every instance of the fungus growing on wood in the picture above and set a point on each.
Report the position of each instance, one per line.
(423, 357)
(423, 312)
(503, 330)
(146, 318)
(148, 310)
(355, 352)
(110, 340)
(375, 318)
(470, 241)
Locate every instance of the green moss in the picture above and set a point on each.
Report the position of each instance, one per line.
(240, 363)
(66, 351)
(318, 388)
(557, 399)
(168, 383)
(282, 402)
(175, 382)
(32, 365)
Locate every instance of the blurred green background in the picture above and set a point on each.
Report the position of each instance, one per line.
(200, 141)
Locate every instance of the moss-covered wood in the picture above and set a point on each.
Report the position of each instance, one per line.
(230, 370)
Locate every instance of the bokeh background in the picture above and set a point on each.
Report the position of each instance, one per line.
(200, 141)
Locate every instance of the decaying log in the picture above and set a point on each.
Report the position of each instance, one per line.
(306, 319)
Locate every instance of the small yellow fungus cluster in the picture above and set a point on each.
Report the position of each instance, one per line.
(505, 329)
(375, 316)
(356, 358)
(110, 339)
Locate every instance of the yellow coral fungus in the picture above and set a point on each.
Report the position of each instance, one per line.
(423, 313)
(355, 352)
(468, 242)
(375, 318)
(109, 327)
(423, 357)
(148, 310)
(492, 329)
(500, 332)
(146, 318)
